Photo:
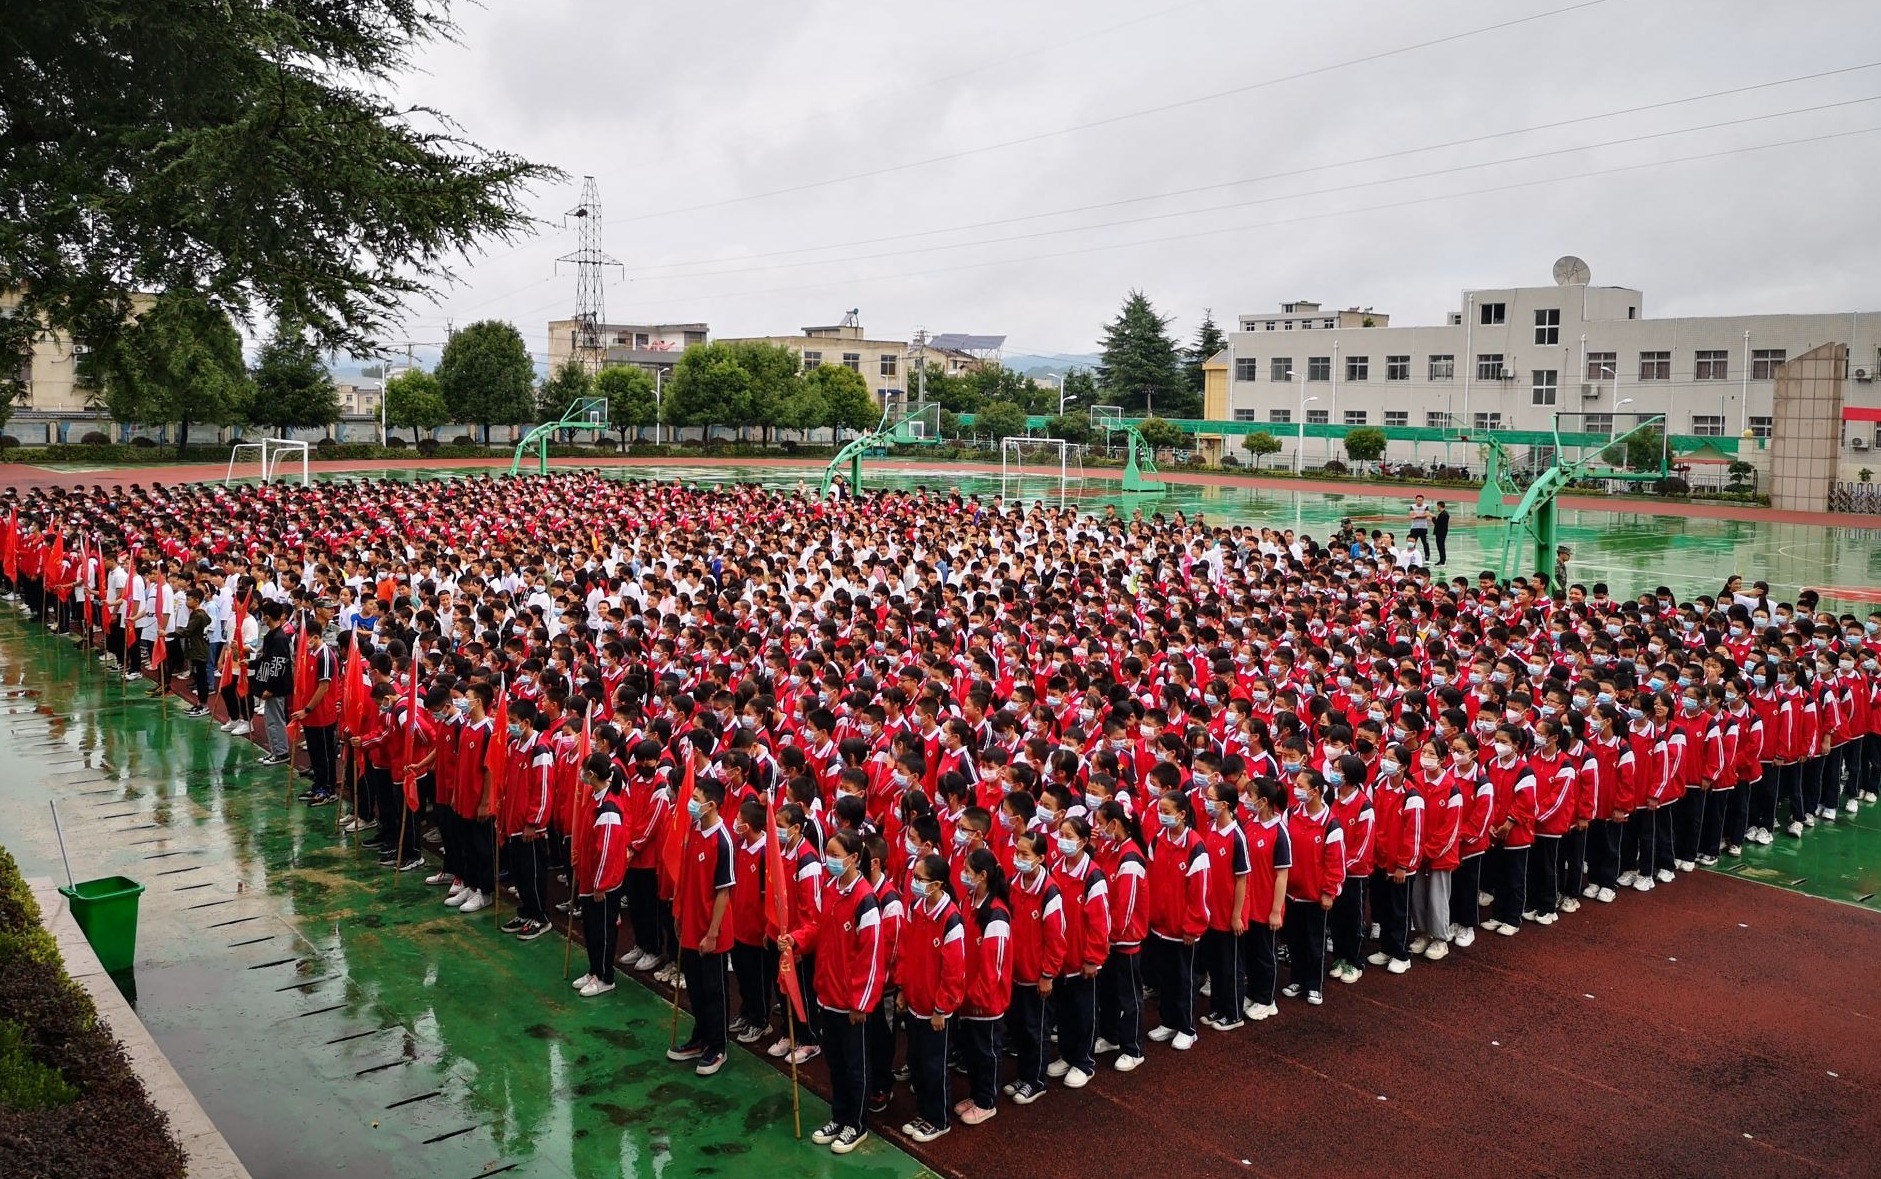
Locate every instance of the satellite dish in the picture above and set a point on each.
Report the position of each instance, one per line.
(1570, 271)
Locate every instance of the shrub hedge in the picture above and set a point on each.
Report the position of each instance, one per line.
(74, 1108)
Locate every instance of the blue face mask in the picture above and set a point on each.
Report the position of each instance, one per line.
(1026, 867)
(695, 808)
(515, 732)
(1291, 767)
(1299, 795)
(836, 865)
(1067, 846)
(1759, 680)
(1655, 684)
(1335, 778)
(1170, 822)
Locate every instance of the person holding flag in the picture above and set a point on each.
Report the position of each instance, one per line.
(319, 716)
(602, 863)
(238, 657)
(702, 910)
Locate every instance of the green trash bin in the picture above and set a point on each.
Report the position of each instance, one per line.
(107, 911)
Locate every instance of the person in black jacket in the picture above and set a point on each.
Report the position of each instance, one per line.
(274, 681)
(1440, 531)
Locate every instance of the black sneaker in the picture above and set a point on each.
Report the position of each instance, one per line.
(532, 930)
(877, 1102)
(687, 1051)
(825, 1134)
(323, 800)
(849, 1139)
(902, 1072)
(412, 865)
(513, 925)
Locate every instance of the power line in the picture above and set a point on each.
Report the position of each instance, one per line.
(1128, 116)
(1265, 178)
(1328, 191)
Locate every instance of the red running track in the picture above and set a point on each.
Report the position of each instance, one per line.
(1713, 1027)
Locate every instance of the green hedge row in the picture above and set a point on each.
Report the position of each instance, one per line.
(69, 1103)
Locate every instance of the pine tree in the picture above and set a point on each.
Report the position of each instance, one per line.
(1142, 368)
(1209, 340)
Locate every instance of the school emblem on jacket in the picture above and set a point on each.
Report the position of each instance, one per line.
(849, 927)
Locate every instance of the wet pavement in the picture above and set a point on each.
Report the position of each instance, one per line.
(333, 1018)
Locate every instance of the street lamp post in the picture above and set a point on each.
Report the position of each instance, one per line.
(1299, 447)
(659, 379)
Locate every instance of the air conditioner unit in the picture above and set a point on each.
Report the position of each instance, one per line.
(1508, 374)
(80, 349)
(1590, 391)
(1863, 376)
(1858, 442)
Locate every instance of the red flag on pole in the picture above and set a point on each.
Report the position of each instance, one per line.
(411, 734)
(160, 646)
(10, 553)
(303, 672)
(55, 565)
(496, 754)
(777, 909)
(673, 854)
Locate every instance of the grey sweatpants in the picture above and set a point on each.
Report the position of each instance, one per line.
(1430, 904)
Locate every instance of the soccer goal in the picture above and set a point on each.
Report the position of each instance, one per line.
(269, 452)
(1040, 460)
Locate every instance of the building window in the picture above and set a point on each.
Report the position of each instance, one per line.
(1442, 367)
(1397, 368)
(1397, 417)
(1270, 325)
(1632, 313)
(1358, 368)
(852, 361)
(1280, 369)
(1708, 425)
(1761, 427)
(890, 362)
(1495, 313)
(1602, 366)
(1280, 417)
(1714, 365)
(1436, 419)
(1598, 423)
(812, 360)
(1247, 415)
(1318, 417)
(1655, 366)
(1319, 368)
(1489, 366)
(1327, 323)
(1288, 325)
(1306, 325)
(1489, 421)
(1246, 368)
(1355, 417)
(1548, 325)
(1764, 363)
(1546, 386)
(640, 340)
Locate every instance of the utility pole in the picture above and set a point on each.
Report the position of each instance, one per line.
(920, 345)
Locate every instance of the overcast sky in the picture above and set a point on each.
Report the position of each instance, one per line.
(1015, 168)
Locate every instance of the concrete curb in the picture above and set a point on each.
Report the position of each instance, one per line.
(210, 1156)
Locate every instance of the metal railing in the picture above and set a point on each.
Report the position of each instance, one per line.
(1855, 497)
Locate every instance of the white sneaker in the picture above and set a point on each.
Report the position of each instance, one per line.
(780, 1048)
(1591, 891)
(596, 987)
(804, 1054)
(1182, 1042)
(1605, 896)
(1627, 878)
(1104, 1046)
(1765, 836)
(1377, 958)
(1573, 904)
(476, 904)
(1664, 876)
(1852, 807)
(1794, 828)
(1808, 821)
(1463, 938)
(1438, 951)
(583, 981)
(1484, 900)
(1127, 1063)
(458, 896)
(1161, 1034)
(1492, 925)
(1399, 965)
(227, 726)
(1643, 884)
(242, 729)
(1508, 930)
(1058, 1068)
(440, 877)
(1077, 1078)
(1263, 1010)
(1870, 796)
(1547, 918)
(1419, 944)
(1686, 865)
(1208, 987)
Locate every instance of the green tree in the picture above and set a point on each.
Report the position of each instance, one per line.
(996, 382)
(292, 387)
(486, 376)
(1001, 419)
(1162, 435)
(1081, 387)
(804, 410)
(847, 401)
(1209, 340)
(566, 385)
(412, 401)
(1366, 444)
(708, 388)
(1142, 368)
(1074, 425)
(774, 373)
(1641, 452)
(247, 153)
(630, 401)
(954, 393)
(1261, 445)
(180, 361)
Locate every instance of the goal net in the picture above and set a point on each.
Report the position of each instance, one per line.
(269, 453)
(1039, 467)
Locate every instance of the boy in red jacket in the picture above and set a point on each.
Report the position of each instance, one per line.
(602, 861)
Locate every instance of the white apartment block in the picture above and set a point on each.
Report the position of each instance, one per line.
(1511, 358)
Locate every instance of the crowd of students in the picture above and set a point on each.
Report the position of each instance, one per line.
(972, 779)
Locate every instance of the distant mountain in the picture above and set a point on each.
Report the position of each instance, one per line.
(1033, 365)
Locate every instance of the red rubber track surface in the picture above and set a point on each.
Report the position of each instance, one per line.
(1712, 1028)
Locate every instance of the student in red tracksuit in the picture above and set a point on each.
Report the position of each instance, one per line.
(1085, 891)
(1313, 884)
(878, 1036)
(1270, 859)
(1352, 807)
(1038, 954)
(526, 800)
(650, 805)
(1118, 848)
(1479, 801)
(1747, 764)
(1554, 775)
(750, 958)
(805, 894)
(1229, 866)
(989, 982)
(1431, 903)
(847, 938)
(1511, 830)
(602, 861)
(1601, 805)
(931, 974)
(702, 919)
(1398, 852)
(1177, 883)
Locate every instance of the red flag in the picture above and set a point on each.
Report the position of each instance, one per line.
(411, 735)
(55, 566)
(160, 647)
(579, 799)
(777, 909)
(303, 671)
(10, 549)
(673, 854)
(496, 754)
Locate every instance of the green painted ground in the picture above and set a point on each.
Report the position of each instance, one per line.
(330, 1019)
